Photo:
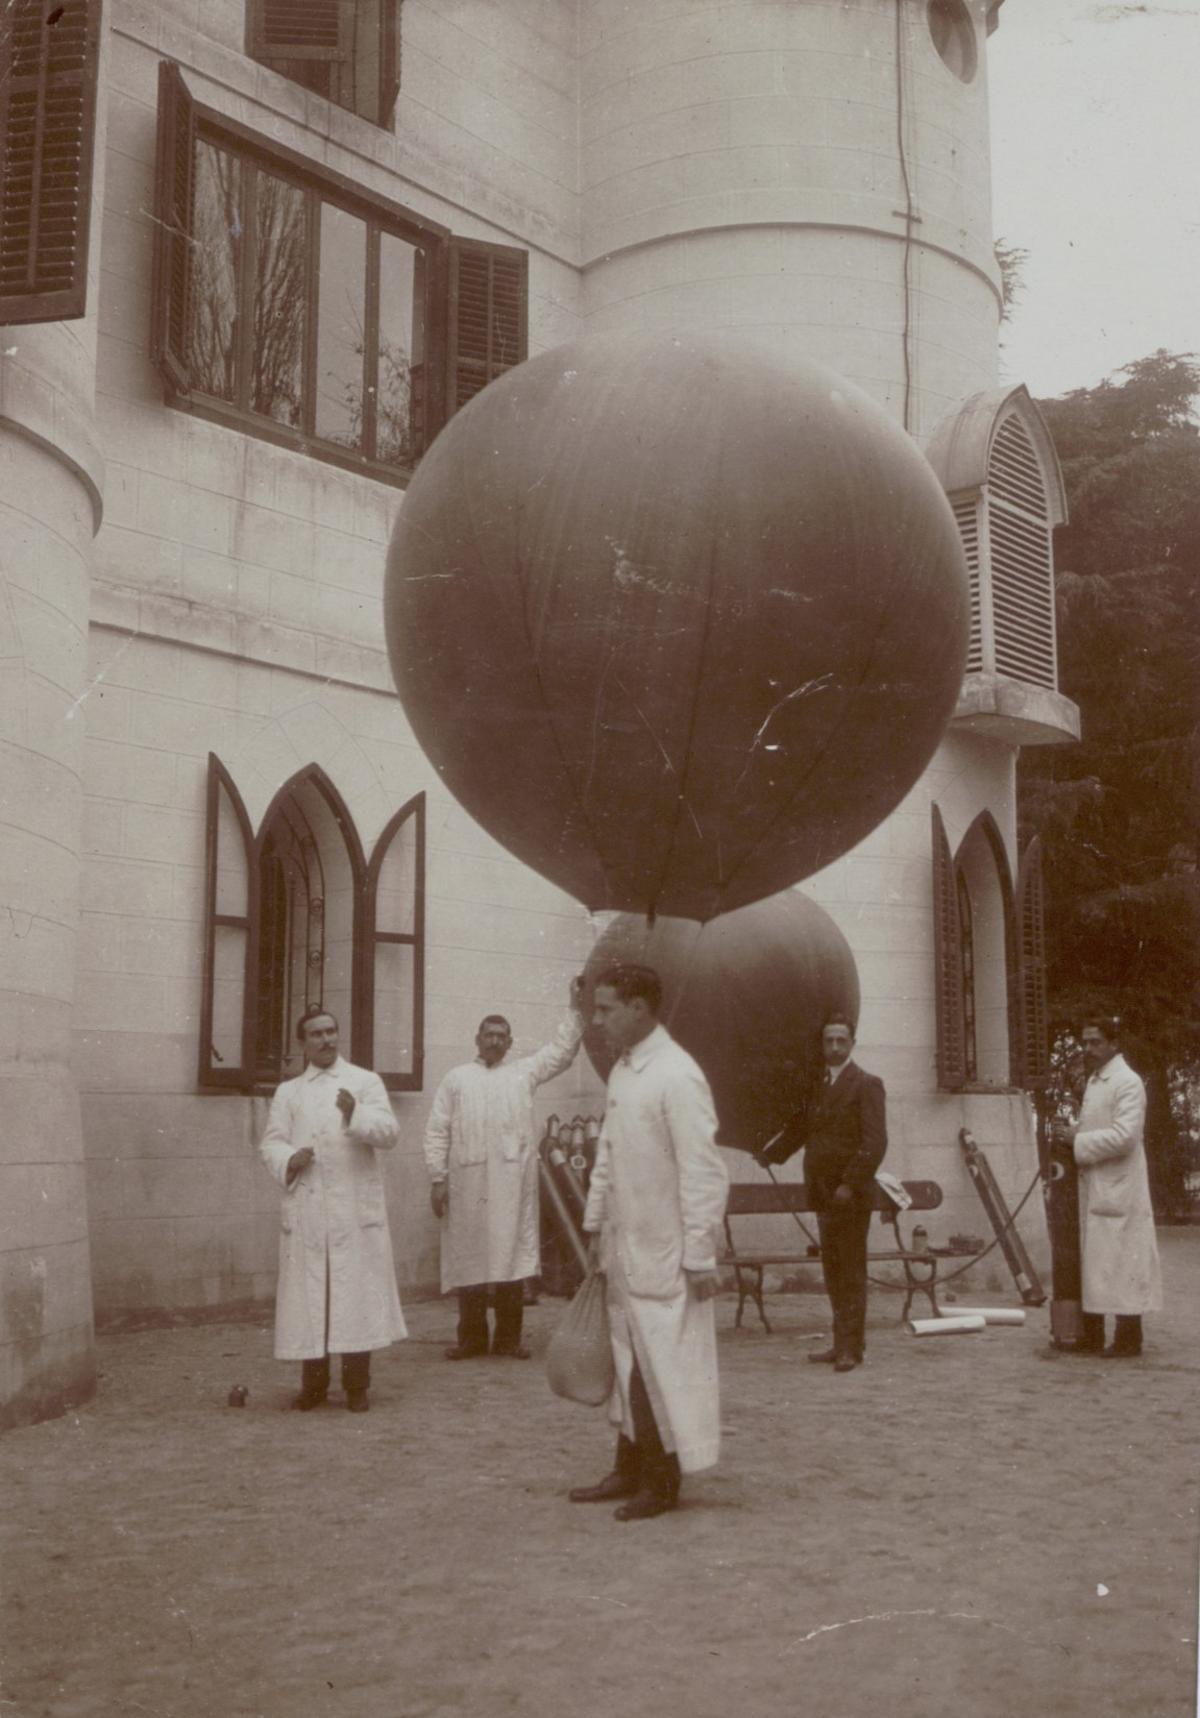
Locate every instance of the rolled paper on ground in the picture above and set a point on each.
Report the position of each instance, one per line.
(992, 1314)
(956, 1326)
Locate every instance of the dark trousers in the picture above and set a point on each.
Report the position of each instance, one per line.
(472, 1317)
(356, 1374)
(843, 1232)
(1127, 1334)
(657, 1468)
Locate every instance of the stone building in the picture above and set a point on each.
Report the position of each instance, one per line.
(252, 254)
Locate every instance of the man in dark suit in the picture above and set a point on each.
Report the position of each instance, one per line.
(844, 1139)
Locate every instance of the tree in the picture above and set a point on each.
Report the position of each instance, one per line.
(1118, 813)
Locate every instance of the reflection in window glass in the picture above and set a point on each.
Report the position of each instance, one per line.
(341, 324)
(278, 357)
(394, 999)
(216, 255)
(401, 350)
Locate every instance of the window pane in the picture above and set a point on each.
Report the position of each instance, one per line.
(341, 323)
(278, 357)
(229, 987)
(394, 1007)
(401, 350)
(232, 878)
(216, 259)
(396, 890)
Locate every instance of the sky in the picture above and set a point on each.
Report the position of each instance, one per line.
(1096, 173)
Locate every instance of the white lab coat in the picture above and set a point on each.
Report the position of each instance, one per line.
(1116, 1219)
(657, 1196)
(481, 1138)
(333, 1220)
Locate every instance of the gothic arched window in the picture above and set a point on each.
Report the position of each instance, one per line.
(989, 948)
(297, 917)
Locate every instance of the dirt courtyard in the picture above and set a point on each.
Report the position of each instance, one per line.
(966, 1527)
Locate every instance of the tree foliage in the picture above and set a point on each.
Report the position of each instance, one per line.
(1118, 813)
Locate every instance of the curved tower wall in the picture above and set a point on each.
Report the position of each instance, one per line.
(741, 167)
(51, 481)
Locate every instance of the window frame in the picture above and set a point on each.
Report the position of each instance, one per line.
(246, 1075)
(184, 123)
(1024, 961)
(181, 120)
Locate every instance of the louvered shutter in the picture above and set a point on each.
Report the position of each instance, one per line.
(285, 32)
(170, 333)
(230, 914)
(48, 56)
(1022, 567)
(488, 316)
(947, 954)
(1031, 1061)
(966, 514)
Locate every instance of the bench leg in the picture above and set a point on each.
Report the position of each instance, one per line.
(918, 1285)
(758, 1299)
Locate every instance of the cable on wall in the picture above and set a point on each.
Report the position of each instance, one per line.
(909, 213)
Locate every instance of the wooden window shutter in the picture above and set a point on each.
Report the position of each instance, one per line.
(288, 31)
(1031, 1061)
(948, 963)
(170, 336)
(393, 1003)
(48, 59)
(230, 915)
(489, 315)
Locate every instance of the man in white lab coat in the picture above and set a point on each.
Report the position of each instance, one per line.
(337, 1281)
(481, 1153)
(1118, 1249)
(656, 1199)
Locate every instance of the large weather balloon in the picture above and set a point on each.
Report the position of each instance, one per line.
(677, 618)
(747, 995)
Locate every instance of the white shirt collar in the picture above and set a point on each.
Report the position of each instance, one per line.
(640, 1053)
(337, 1067)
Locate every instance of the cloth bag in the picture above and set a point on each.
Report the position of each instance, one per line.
(579, 1361)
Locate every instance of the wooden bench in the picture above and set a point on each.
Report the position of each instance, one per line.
(784, 1198)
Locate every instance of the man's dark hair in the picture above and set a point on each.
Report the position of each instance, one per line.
(494, 1020)
(629, 981)
(314, 1014)
(1106, 1024)
(838, 1019)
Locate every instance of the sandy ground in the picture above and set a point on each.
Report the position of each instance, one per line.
(965, 1526)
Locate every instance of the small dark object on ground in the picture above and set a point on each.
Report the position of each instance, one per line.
(238, 1396)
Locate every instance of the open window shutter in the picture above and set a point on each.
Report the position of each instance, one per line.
(947, 948)
(395, 934)
(390, 26)
(489, 315)
(230, 906)
(48, 57)
(282, 32)
(1031, 1062)
(174, 175)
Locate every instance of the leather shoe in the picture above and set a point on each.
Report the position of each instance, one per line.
(1113, 1352)
(307, 1400)
(356, 1401)
(644, 1506)
(612, 1485)
(462, 1351)
(823, 1356)
(520, 1352)
(845, 1363)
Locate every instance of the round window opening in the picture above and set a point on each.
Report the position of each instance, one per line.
(954, 36)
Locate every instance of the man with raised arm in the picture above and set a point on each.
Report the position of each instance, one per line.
(481, 1152)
